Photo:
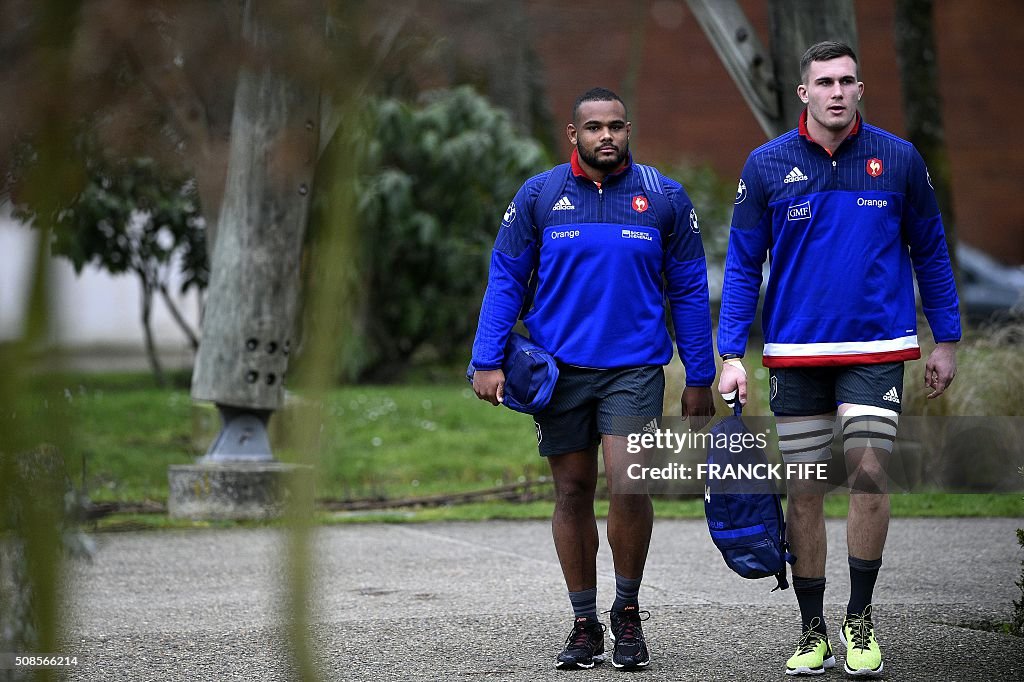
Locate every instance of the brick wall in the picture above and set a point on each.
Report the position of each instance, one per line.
(684, 106)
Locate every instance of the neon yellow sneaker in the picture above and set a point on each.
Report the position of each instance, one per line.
(863, 655)
(813, 654)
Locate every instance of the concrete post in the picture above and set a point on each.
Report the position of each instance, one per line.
(252, 300)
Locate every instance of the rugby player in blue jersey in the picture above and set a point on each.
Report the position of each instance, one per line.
(616, 241)
(849, 216)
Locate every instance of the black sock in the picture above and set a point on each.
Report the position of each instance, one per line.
(863, 573)
(810, 594)
(584, 603)
(627, 592)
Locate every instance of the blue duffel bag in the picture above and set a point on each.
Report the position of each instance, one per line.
(530, 375)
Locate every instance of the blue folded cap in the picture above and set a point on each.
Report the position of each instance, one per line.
(530, 375)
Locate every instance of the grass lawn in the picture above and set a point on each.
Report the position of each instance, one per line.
(378, 441)
(393, 442)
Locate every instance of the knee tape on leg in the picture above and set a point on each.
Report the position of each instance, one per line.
(865, 426)
(809, 440)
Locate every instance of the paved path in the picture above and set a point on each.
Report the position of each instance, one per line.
(486, 601)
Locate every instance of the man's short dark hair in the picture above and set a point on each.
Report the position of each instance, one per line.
(595, 95)
(823, 52)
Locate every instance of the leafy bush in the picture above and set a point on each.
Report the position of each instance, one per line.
(435, 181)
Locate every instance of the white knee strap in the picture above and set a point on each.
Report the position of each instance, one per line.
(808, 440)
(865, 426)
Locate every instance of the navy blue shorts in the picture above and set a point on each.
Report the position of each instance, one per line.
(805, 391)
(589, 403)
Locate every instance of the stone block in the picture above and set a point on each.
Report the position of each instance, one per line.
(235, 490)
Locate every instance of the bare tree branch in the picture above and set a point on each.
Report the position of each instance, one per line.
(147, 308)
(193, 340)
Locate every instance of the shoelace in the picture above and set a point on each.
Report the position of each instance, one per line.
(861, 628)
(630, 625)
(580, 636)
(808, 641)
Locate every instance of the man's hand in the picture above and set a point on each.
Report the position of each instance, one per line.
(698, 406)
(489, 385)
(940, 368)
(733, 379)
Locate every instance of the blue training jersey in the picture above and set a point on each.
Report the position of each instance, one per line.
(603, 267)
(845, 232)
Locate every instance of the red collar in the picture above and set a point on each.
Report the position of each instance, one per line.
(578, 171)
(802, 128)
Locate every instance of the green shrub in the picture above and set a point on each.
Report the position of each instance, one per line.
(435, 180)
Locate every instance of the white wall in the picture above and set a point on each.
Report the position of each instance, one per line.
(91, 309)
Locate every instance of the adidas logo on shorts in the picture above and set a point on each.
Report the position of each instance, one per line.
(892, 396)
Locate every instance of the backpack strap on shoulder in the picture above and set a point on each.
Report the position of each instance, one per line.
(549, 191)
(655, 189)
(651, 178)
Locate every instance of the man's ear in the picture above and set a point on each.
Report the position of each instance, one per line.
(570, 132)
(801, 92)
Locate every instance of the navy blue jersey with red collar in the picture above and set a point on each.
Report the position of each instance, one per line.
(603, 268)
(845, 233)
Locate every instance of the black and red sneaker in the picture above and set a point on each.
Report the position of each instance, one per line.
(630, 647)
(584, 647)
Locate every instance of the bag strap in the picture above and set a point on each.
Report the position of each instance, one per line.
(553, 186)
(660, 204)
(549, 191)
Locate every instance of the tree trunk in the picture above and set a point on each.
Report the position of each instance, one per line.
(795, 25)
(922, 104)
(254, 275)
(147, 327)
(186, 329)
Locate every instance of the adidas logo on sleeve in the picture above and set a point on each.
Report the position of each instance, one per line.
(795, 175)
(563, 204)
